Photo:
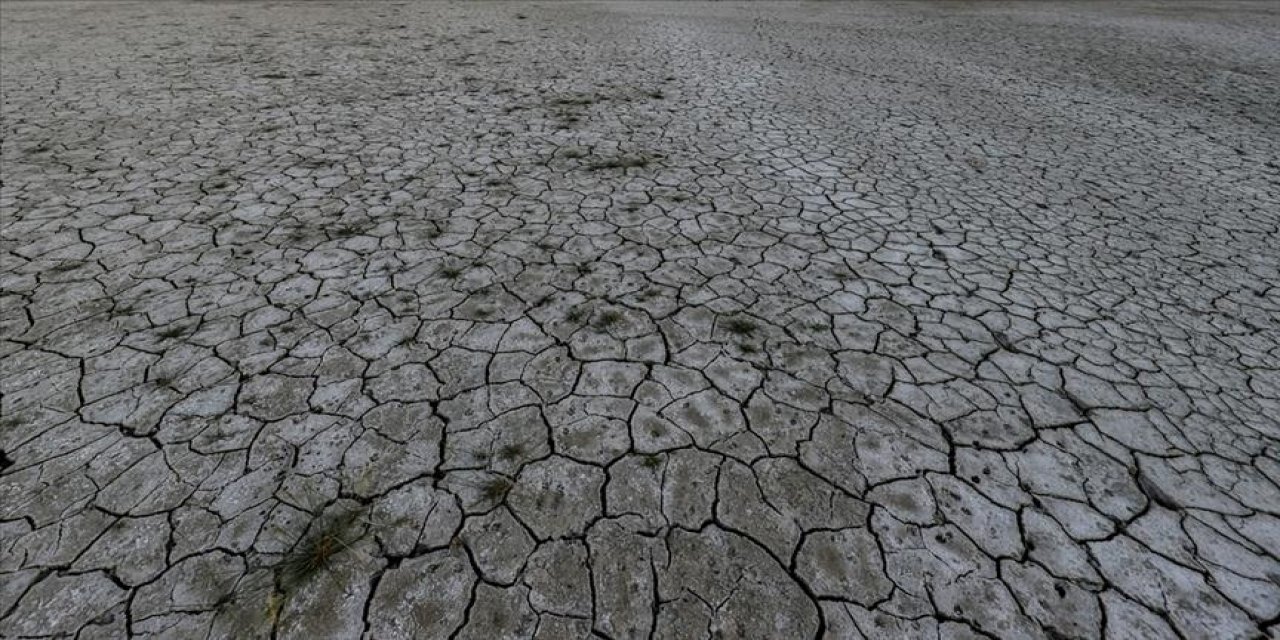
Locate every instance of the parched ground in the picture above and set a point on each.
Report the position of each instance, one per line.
(640, 320)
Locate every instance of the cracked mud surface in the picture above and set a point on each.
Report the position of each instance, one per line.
(640, 320)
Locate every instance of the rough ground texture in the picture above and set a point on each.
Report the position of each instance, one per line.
(330, 320)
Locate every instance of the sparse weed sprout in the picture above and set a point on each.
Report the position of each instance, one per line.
(576, 315)
(740, 326)
(608, 318)
(174, 331)
(318, 549)
(495, 489)
(348, 231)
(621, 162)
(576, 101)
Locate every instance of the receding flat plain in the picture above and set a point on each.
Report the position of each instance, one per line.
(640, 320)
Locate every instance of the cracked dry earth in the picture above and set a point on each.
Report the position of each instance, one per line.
(390, 320)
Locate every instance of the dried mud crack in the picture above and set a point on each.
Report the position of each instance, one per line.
(639, 320)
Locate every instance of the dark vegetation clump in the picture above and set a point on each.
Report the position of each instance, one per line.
(740, 326)
(320, 549)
